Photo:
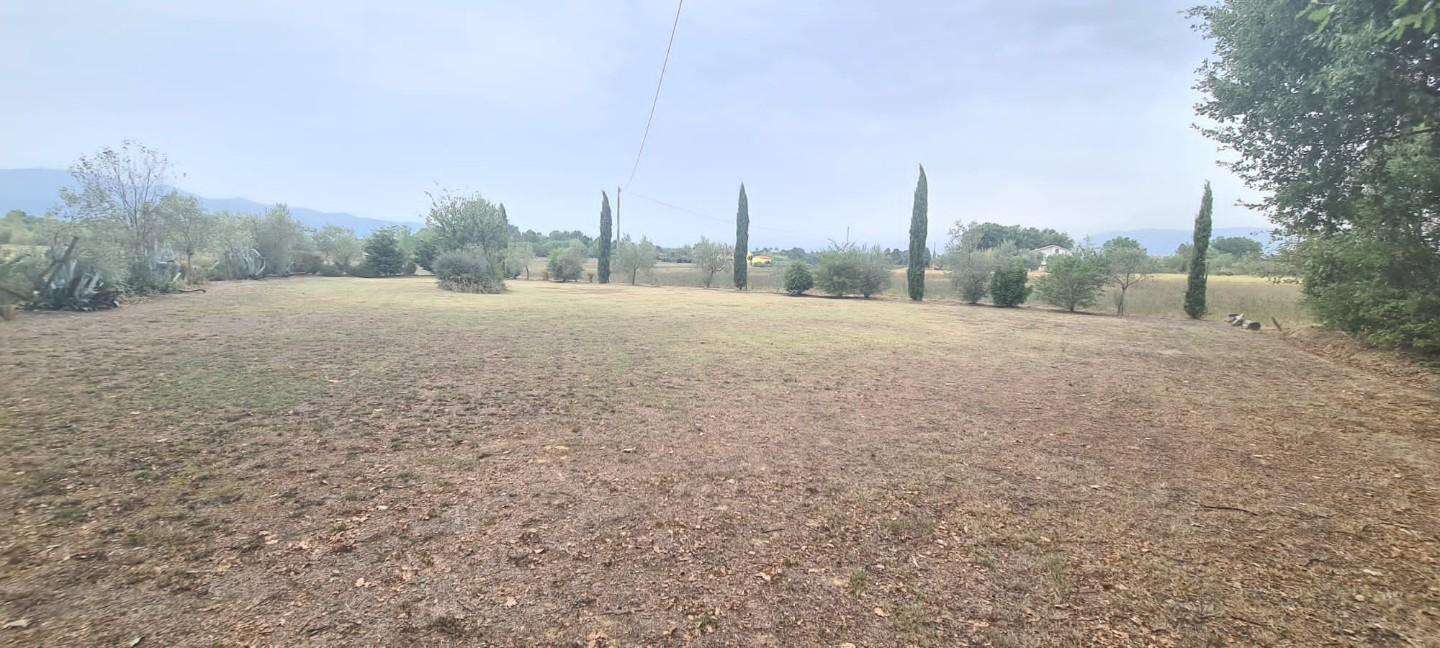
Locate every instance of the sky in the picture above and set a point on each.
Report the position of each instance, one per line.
(1071, 114)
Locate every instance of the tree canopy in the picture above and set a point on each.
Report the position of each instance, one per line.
(1333, 108)
(983, 236)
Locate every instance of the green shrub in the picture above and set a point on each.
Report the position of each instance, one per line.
(426, 251)
(849, 270)
(1386, 292)
(1073, 280)
(158, 274)
(468, 270)
(383, 256)
(567, 264)
(309, 262)
(1007, 284)
(970, 268)
(798, 278)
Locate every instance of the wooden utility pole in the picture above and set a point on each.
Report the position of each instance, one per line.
(617, 214)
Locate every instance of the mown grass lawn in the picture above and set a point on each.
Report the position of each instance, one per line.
(361, 462)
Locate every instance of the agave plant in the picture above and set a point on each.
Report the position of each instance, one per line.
(244, 263)
(160, 272)
(66, 285)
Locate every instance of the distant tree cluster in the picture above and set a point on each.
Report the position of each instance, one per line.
(984, 236)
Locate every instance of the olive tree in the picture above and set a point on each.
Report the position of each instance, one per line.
(517, 259)
(338, 245)
(710, 259)
(456, 222)
(631, 257)
(188, 229)
(123, 188)
(1127, 264)
(276, 237)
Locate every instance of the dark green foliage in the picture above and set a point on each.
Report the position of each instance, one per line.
(741, 263)
(919, 227)
(1237, 246)
(1358, 284)
(425, 251)
(798, 278)
(1007, 284)
(1195, 283)
(468, 270)
(983, 236)
(567, 264)
(383, 257)
(1073, 280)
(602, 258)
(850, 270)
(309, 262)
(1333, 112)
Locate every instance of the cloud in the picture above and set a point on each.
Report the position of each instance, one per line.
(1072, 114)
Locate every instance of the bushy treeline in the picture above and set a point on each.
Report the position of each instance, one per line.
(1000, 272)
(1331, 109)
(124, 229)
(1228, 255)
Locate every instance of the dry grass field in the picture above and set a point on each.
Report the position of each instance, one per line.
(352, 462)
(1158, 296)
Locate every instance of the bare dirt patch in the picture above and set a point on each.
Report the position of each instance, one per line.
(363, 462)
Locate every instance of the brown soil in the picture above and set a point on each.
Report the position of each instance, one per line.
(376, 462)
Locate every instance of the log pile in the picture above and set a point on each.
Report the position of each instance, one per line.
(1238, 319)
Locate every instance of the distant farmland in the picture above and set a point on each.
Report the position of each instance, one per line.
(1160, 296)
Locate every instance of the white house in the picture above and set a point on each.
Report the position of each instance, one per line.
(1044, 253)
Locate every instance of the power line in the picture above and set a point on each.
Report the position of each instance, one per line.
(680, 209)
(700, 214)
(658, 84)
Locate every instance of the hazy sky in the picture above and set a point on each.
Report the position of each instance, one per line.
(1073, 114)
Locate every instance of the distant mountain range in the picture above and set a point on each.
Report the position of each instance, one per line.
(36, 191)
(1162, 242)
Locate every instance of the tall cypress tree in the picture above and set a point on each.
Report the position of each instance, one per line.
(742, 241)
(1195, 285)
(603, 260)
(919, 227)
